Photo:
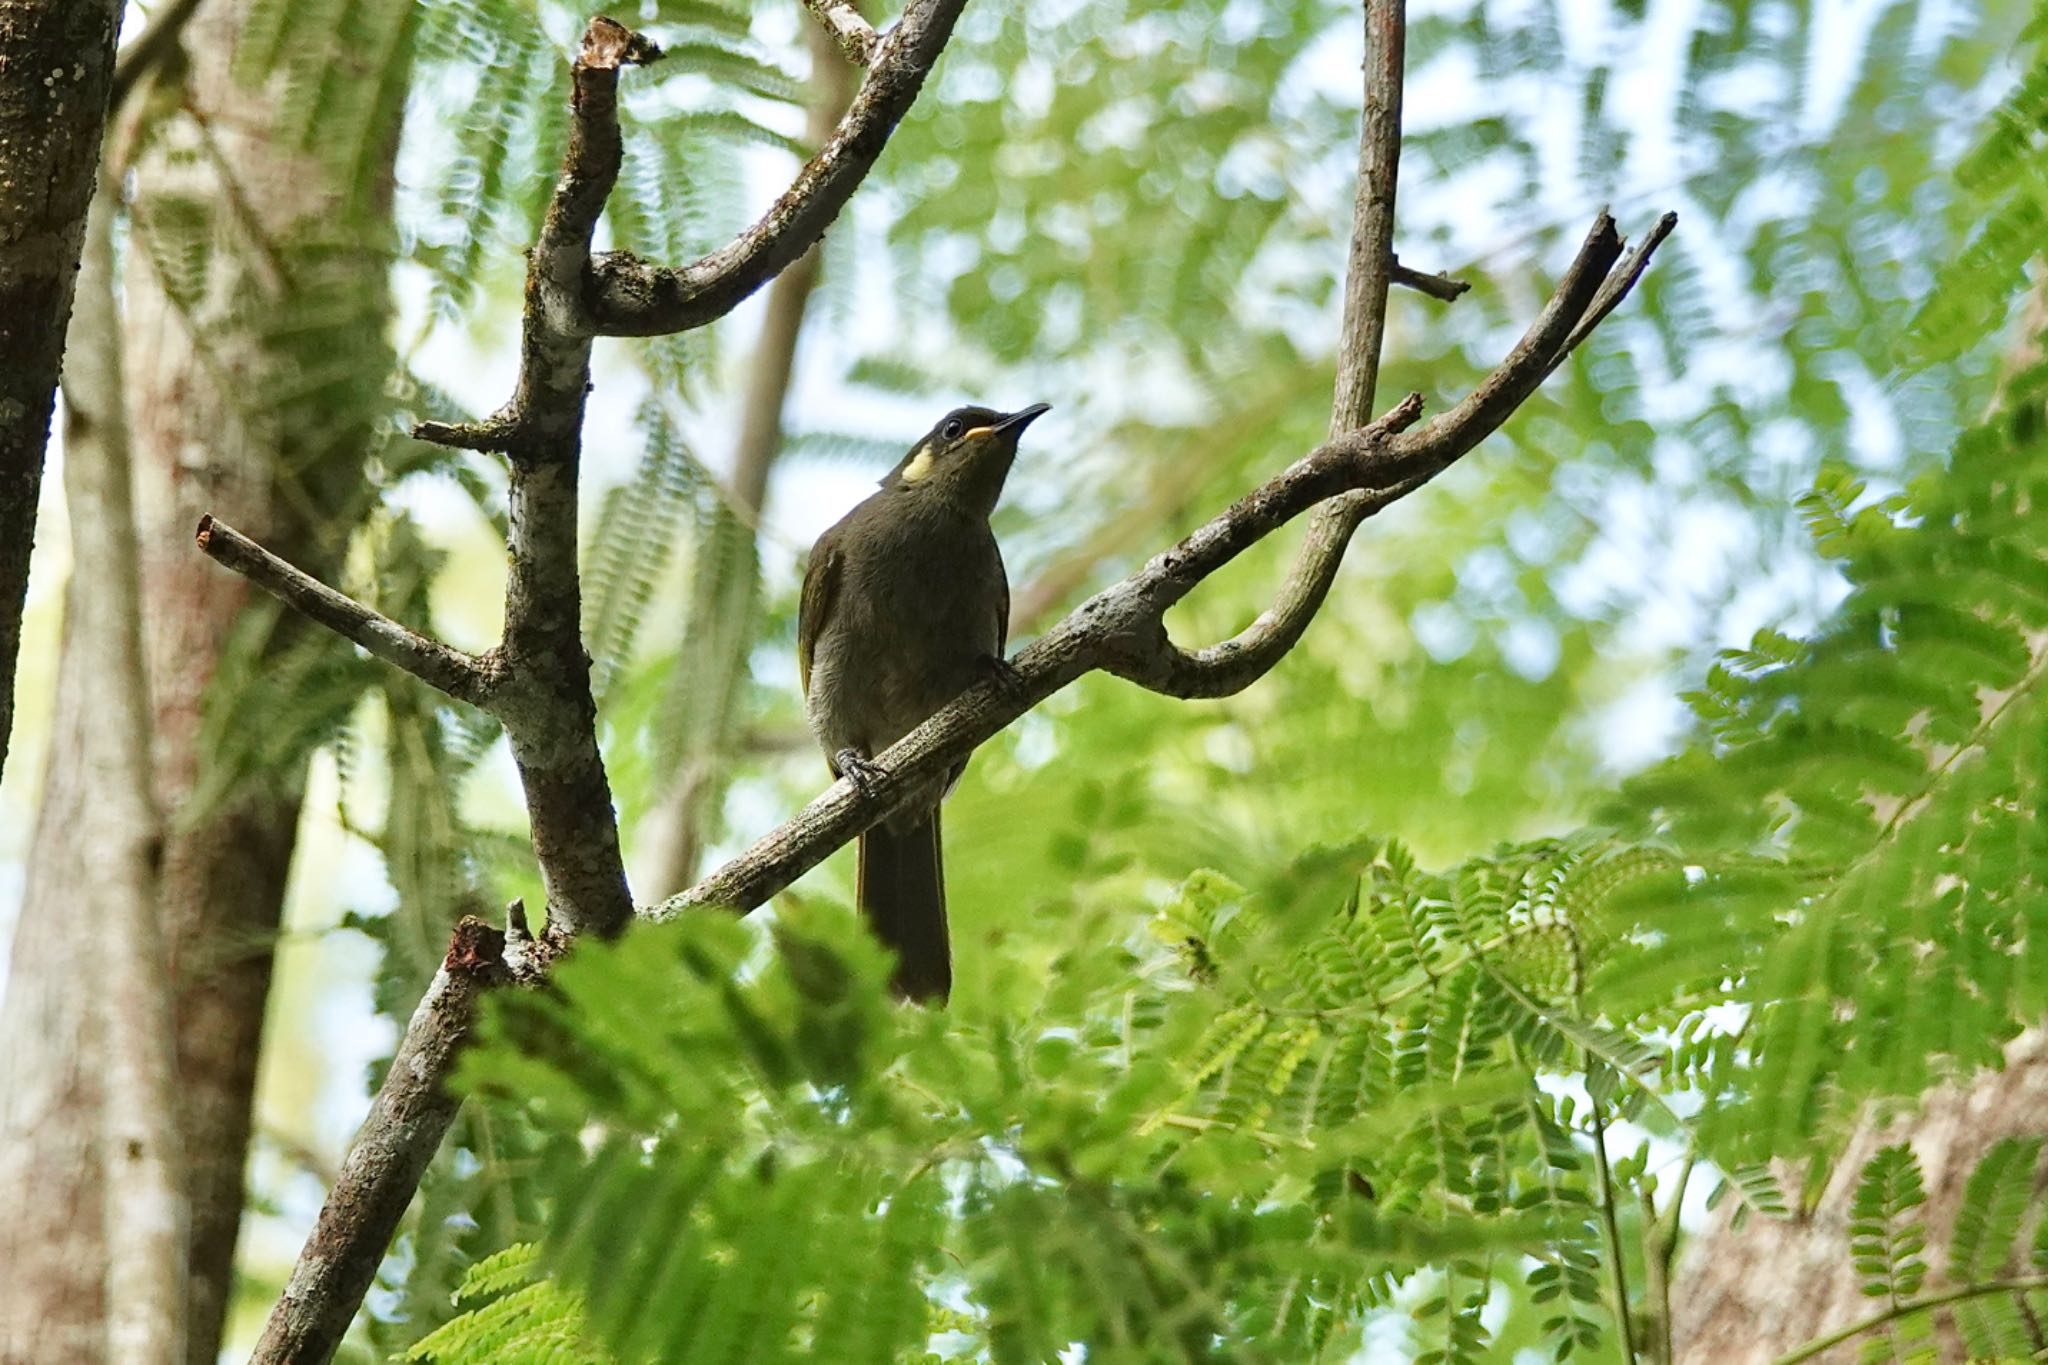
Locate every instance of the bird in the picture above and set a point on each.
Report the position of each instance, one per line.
(905, 606)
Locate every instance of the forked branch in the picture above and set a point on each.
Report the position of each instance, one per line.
(1121, 629)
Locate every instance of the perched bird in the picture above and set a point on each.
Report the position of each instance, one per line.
(905, 606)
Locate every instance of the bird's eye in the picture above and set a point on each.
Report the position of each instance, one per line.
(951, 431)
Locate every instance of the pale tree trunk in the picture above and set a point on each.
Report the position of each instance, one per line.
(719, 626)
(94, 1221)
(1756, 1294)
(240, 231)
(52, 1241)
(145, 1197)
(56, 72)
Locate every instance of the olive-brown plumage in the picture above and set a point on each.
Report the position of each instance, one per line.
(905, 606)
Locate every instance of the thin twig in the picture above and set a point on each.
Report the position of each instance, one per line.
(855, 36)
(1440, 287)
(462, 676)
(2017, 1284)
(1610, 1227)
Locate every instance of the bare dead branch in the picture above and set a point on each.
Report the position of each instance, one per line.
(1617, 284)
(855, 36)
(632, 297)
(1440, 287)
(1542, 348)
(1231, 665)
(546, 408)
(462, 676)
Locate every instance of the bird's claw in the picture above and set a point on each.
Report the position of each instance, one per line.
(864, 773)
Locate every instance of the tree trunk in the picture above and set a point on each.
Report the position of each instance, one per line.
(704, 701)
(255, 355)
(252, 392)
(52, 1298)
(1756, 1294)
(56, 70)
(145, 1193)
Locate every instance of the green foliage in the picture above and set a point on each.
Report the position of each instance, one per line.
(1234, 1143)
(513, 1315)
(1896, 759)
(1994, 1318)
(1885, 1237)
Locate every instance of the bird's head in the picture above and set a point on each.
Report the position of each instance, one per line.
(966, 457)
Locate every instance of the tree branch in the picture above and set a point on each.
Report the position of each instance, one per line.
(385, 1162)
(1371, 265)
(1234, 664)
(856, 36)
(1121, 630)
(631, 297)
(1440, 287)
(462, 676)
(2016, 1284)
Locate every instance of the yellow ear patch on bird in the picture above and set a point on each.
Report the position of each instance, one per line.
(919, 466)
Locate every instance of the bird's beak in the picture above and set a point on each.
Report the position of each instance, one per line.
(1023, 418)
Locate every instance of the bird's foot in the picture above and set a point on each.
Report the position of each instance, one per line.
(863, 772)
(1005, 676)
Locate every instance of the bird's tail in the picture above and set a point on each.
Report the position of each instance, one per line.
(902, 891)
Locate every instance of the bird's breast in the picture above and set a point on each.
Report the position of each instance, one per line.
(916, 615)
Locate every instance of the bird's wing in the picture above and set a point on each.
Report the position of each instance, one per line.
(821, 585)
(1002, 611)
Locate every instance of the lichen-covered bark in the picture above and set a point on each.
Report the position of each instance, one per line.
(56, 69)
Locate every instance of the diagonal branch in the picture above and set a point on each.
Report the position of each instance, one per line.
(385, 1162)
(462, 676)
(1439, 286)
(631, 297)
(141, 57)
